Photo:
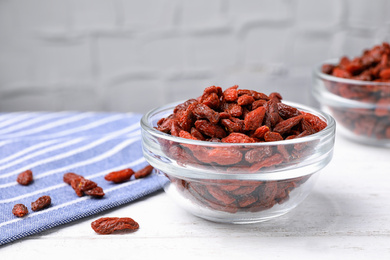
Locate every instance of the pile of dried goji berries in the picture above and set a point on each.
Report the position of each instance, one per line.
(372, 66)
(238, 116)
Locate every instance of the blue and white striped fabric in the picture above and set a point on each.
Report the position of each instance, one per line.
(52, 144)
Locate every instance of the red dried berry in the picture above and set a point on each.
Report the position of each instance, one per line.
(82, 185)
(238, 138)
(109, 225)
(25, 178)
(144, 172)
(20, 210)
(119, 176)
(41, 203)
(68, 177)
(231, 94)
(96, 192)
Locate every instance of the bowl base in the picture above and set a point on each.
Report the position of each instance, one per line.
(243, 221)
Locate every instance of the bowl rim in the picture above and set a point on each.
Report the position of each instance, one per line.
(321, 75)
(329, 130)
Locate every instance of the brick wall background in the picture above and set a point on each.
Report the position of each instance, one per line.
(129, 55)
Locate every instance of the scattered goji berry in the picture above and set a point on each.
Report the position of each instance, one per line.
(119, 176)
(82, 185)
(147, 170)
(20, 210)
(109, 225)
(25, 178)
(41, 203)
(68, 177)
(96, 192)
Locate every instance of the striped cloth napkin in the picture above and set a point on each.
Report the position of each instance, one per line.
(52, 144)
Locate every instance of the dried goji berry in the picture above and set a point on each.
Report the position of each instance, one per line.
(316, 122)
(183, 106)
(41, 203)
(231, 94)
(234, 109)
(267, 162)
(337, 72)
(184, 121)
(203, 111)
(209, 129)
(108, 225)
(258, 154)
(254, 119)
(245, 100)
(242, 190)
(267, 195)
(95, 192)
(68, 177)
(25, 178)
(82, 186)
(211, 100)
(220, 195)
(224, 156)
(272, 136)
(238, 138)
(260, 132)
(75, 184)
(272, 113)
(231, 126)
(258, 103)
(185, 134)
(195, 133)
(286, 125)
(246, 200)
(327, 68)
(119, 176)
(143, 172)
(86, 184)
(286, 111)
(20, 210)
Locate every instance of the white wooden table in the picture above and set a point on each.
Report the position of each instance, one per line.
(346, 217)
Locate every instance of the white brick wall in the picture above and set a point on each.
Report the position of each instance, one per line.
(129, 55)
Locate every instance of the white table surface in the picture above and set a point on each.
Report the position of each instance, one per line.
(347, 216)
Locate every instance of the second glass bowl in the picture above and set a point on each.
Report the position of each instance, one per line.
(361, 108)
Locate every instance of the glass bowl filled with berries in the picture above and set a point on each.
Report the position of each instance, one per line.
(357, 93)
(237, 155)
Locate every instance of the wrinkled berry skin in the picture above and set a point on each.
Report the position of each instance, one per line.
(41, 203)
(25, 178)
(119, 176)
(20, 210)
(108, 225)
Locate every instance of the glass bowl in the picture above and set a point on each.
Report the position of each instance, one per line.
(237, 182)
(361, 108)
